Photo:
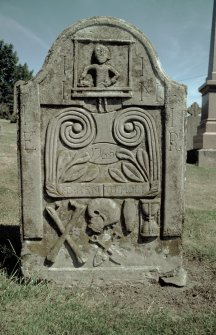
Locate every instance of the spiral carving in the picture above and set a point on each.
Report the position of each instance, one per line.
(129, 127)
(77, 129)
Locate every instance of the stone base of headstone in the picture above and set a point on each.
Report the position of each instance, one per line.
(206, 158)
(165, 264)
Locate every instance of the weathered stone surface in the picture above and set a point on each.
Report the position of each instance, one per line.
(177, 278)
(101, 153)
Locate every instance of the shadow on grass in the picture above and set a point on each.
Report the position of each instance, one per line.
(10, 250)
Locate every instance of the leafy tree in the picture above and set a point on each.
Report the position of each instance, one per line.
(10, 72)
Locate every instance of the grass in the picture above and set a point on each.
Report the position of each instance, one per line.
(200, 234)
(32, 308)
(200, 214)
(43, 309)
(8, 174)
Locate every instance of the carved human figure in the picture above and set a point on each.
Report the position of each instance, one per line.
(99, 74)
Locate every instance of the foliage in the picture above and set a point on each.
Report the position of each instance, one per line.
(10, 72)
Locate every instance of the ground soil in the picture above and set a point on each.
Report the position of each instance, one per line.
(199, 295)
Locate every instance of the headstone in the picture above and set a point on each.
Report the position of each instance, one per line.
(205, 140)
(192, 122)
(101, 160)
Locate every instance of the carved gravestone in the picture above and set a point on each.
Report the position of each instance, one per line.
(193, 120)
(101, 153)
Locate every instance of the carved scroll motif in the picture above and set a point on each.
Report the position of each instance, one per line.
(76, 128)
(132, 127)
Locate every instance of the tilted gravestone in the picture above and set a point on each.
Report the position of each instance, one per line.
(101, 152)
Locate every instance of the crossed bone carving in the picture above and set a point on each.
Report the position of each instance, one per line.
(106, 251)
(52, 254)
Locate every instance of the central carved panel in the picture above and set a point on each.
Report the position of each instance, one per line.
(111, 162)
(102, 155)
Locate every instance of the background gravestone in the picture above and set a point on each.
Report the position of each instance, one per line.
(101, 152)
(193, 121)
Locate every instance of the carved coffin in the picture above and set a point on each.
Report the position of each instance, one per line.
(101, 152)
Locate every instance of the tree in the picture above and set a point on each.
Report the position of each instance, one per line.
(10, 72)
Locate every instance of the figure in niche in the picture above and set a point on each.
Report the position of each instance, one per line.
(99, 74)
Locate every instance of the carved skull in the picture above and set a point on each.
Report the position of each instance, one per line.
(102, 212)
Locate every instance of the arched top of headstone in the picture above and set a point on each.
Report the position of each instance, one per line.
(129, 67)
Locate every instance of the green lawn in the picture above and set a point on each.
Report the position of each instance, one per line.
(8, 174)
(200, 214)
(42, 308)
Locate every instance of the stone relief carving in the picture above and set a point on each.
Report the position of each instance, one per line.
(133, 168)
(132, 127)
(104, 215)
(99, 74)
(130, 214)
(76, 129)
(94, 232)
(95, 74)
(129, 127)
(96, 226)
(73, 166)
(149, 225)
(80, 163)
(104, 163)
(64, 231)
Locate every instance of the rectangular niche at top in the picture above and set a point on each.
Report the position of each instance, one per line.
(102, 68)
